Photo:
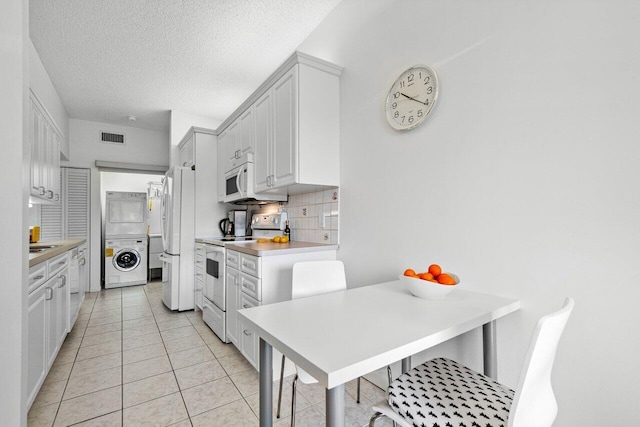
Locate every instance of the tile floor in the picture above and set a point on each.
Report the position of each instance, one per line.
(130, 361)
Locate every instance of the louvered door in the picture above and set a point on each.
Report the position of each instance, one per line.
(76, 202)
(71, 218)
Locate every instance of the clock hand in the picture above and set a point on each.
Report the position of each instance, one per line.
(413, 99)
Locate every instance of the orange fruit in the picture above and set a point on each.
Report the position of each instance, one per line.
(435, 270)
(427, 276)
(410, 272)
(445, 279)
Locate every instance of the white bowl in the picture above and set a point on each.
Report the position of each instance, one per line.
(426, 289)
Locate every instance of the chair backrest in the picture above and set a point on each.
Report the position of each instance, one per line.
(317, 277)
(534, 404)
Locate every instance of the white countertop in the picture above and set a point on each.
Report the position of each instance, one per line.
(252, 247)
(65, 245)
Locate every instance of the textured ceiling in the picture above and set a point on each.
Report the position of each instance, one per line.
(109, 59)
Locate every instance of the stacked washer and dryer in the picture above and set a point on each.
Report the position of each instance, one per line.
(126, 239)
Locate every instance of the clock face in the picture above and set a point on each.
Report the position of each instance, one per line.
(411, 97)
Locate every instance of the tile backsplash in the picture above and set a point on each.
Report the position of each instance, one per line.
(314, 217)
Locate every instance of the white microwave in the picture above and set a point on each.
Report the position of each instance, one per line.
(238, 185)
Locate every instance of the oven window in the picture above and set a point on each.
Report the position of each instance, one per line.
(212, 268)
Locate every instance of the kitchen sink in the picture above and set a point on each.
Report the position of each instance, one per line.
(41, 248)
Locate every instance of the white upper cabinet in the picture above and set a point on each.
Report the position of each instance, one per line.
(44, 138)
(198, 149)
(228, 147)
(291, 124)
(186, 152)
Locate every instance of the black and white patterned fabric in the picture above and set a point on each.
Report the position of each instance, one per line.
(444, 393)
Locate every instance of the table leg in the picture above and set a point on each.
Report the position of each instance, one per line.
(266, 384)
(489, 349)
(406, 364)
(335, 406)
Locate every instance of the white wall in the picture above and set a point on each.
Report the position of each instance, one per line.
(14, 68)
(181, 122)
(42, 86)
(142, 147)
(523, 181)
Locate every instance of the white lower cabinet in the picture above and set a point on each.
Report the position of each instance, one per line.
(48, 319)
(199, 272)
(248, 337)
(252, 281)
(37, 342)
(232, 282)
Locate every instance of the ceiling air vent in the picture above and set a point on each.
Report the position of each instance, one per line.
(112, 138)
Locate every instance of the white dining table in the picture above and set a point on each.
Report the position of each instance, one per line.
(340, 336)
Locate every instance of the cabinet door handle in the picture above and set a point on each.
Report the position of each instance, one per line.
(38, 277)
(246, 332)
(50, 296)
(41, 190)
(57, 197)
(246, 306)
(50, 194)
(64, 281)
(83, 261)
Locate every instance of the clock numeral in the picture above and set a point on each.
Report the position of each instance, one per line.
(410, 119)
(403, 118)
(396, 95)
(402, 84)
(420, 113)
(410, 77)
(429, 90)
(426, 80)
(394, 105)
(396, 114)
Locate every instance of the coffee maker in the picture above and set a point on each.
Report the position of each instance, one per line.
(235, 225)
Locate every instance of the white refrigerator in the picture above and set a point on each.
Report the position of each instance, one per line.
(178, 238)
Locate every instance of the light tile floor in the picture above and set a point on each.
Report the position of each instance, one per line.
(131, 361)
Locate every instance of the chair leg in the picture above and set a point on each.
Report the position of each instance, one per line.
(293, 401)
(358, 393)
(373, 419)
(280, 387)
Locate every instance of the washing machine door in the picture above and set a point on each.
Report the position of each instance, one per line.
(126, 259)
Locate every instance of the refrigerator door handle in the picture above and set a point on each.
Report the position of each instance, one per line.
(164, 258)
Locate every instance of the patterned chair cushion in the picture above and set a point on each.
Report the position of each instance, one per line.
(444, 393)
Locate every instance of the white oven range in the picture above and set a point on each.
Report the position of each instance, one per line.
(214, 303)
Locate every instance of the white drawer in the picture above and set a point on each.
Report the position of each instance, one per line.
(56, 264)
(214, 318)
(233, 259)
(37, 276)
(251, 264)
(199, 274)
(251, 286)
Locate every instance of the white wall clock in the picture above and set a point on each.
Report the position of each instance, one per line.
(411, 98)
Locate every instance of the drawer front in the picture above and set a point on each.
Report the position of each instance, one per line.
(233, 259)
(56, 264)
(214, 318)
(251, 286)
(37, 276)
(251, 265)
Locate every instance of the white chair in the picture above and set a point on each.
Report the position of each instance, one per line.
(443, 392)
(312, 278)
